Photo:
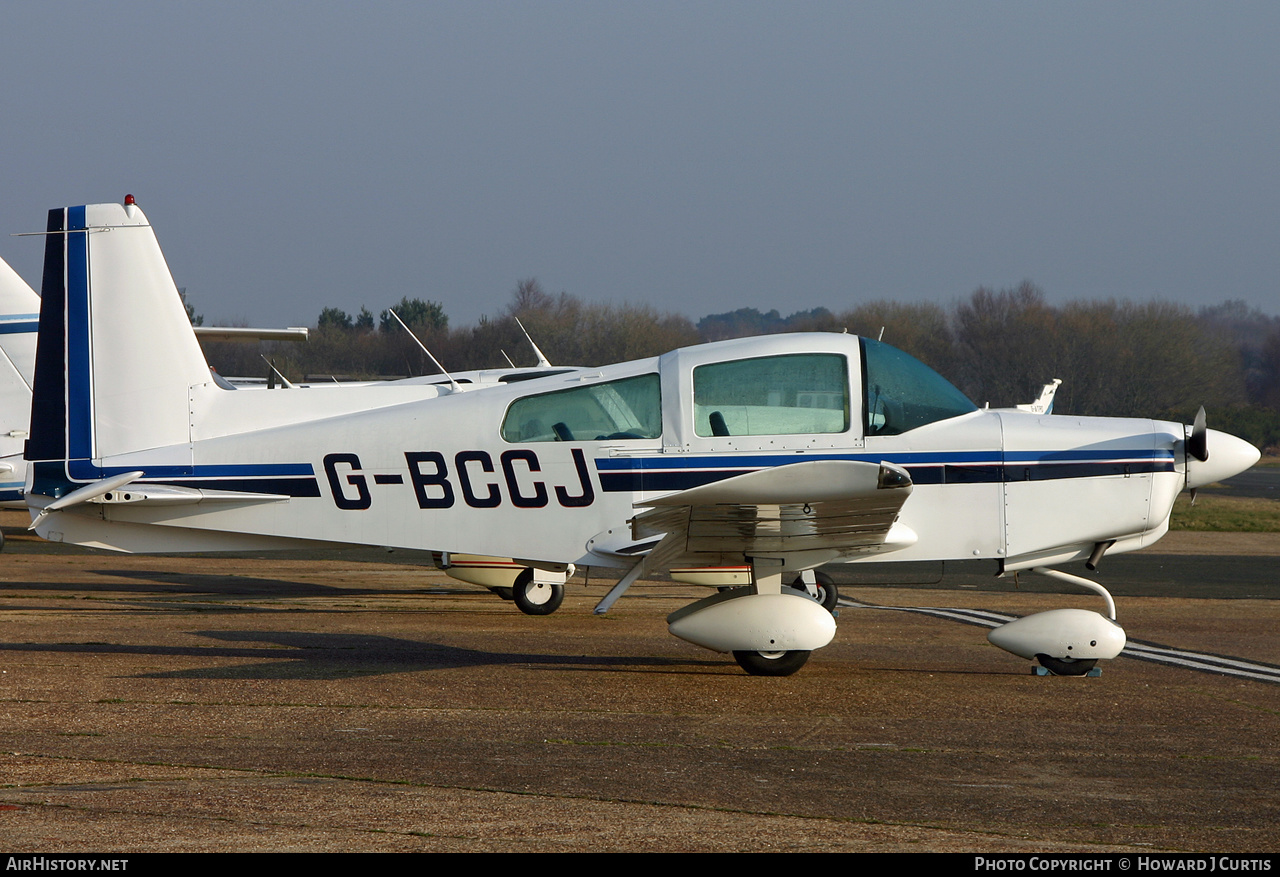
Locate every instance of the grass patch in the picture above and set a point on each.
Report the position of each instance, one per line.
(1229, 514)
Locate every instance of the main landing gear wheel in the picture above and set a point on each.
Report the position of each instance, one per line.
(534, 598)
(771, 663)
(828, 593)
(1066, 666)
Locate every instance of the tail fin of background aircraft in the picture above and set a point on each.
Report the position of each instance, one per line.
(19, 314)
(110, 380)
(1044, 402)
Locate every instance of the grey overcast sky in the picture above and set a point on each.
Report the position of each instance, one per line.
(698, 156)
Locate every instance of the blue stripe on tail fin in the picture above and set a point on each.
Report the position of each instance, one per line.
(48, 439)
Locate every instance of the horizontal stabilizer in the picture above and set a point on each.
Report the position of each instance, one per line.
(90, 491)
(123, 489)
(170, 494)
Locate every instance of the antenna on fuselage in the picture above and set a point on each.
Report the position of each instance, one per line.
(507, 358)
(452, 383)
(288, 385)
(880, 337)
(543, 362)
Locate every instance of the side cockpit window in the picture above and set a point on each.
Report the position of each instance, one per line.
(614, 410)
(772, 395)
(903, 393)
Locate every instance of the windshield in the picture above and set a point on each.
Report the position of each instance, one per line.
(903, 393)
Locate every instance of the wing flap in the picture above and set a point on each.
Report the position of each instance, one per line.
(841, 506)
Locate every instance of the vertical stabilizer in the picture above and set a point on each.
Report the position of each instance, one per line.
(117, 356)
(19, 316)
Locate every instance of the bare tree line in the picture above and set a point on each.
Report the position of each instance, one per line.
(1152, 359)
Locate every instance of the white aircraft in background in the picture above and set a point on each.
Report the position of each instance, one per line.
(1044, 402)
(783, 452)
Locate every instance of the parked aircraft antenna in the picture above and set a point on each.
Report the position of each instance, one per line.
(543, 362)
(507, 358)
(452, 383)
(880, 337)
(287, 384)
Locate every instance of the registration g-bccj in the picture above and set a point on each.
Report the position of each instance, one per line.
(778, 453)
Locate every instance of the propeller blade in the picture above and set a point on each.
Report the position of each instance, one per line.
(1198, 443)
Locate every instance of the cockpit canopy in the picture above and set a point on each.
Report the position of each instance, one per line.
(788, 385)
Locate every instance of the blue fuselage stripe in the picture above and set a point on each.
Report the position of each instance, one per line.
(619, 474)
(288, 479)
(82, 470)
(917, 458)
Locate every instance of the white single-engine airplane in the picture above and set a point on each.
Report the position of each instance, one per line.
(783, 452)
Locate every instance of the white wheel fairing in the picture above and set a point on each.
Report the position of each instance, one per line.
(1075, 634)
(771, 623)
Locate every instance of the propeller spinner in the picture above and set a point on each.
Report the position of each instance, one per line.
(1230, 455)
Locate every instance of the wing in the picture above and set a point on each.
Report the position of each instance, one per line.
(841, 507)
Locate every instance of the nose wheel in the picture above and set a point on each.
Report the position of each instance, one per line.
(771, 663)
(1066, 666)
(1065, 642)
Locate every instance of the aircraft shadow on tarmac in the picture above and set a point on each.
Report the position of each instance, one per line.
(185, 584)
(251, 586)
(331, 656)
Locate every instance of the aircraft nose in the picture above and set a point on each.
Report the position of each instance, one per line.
(1228, 456)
